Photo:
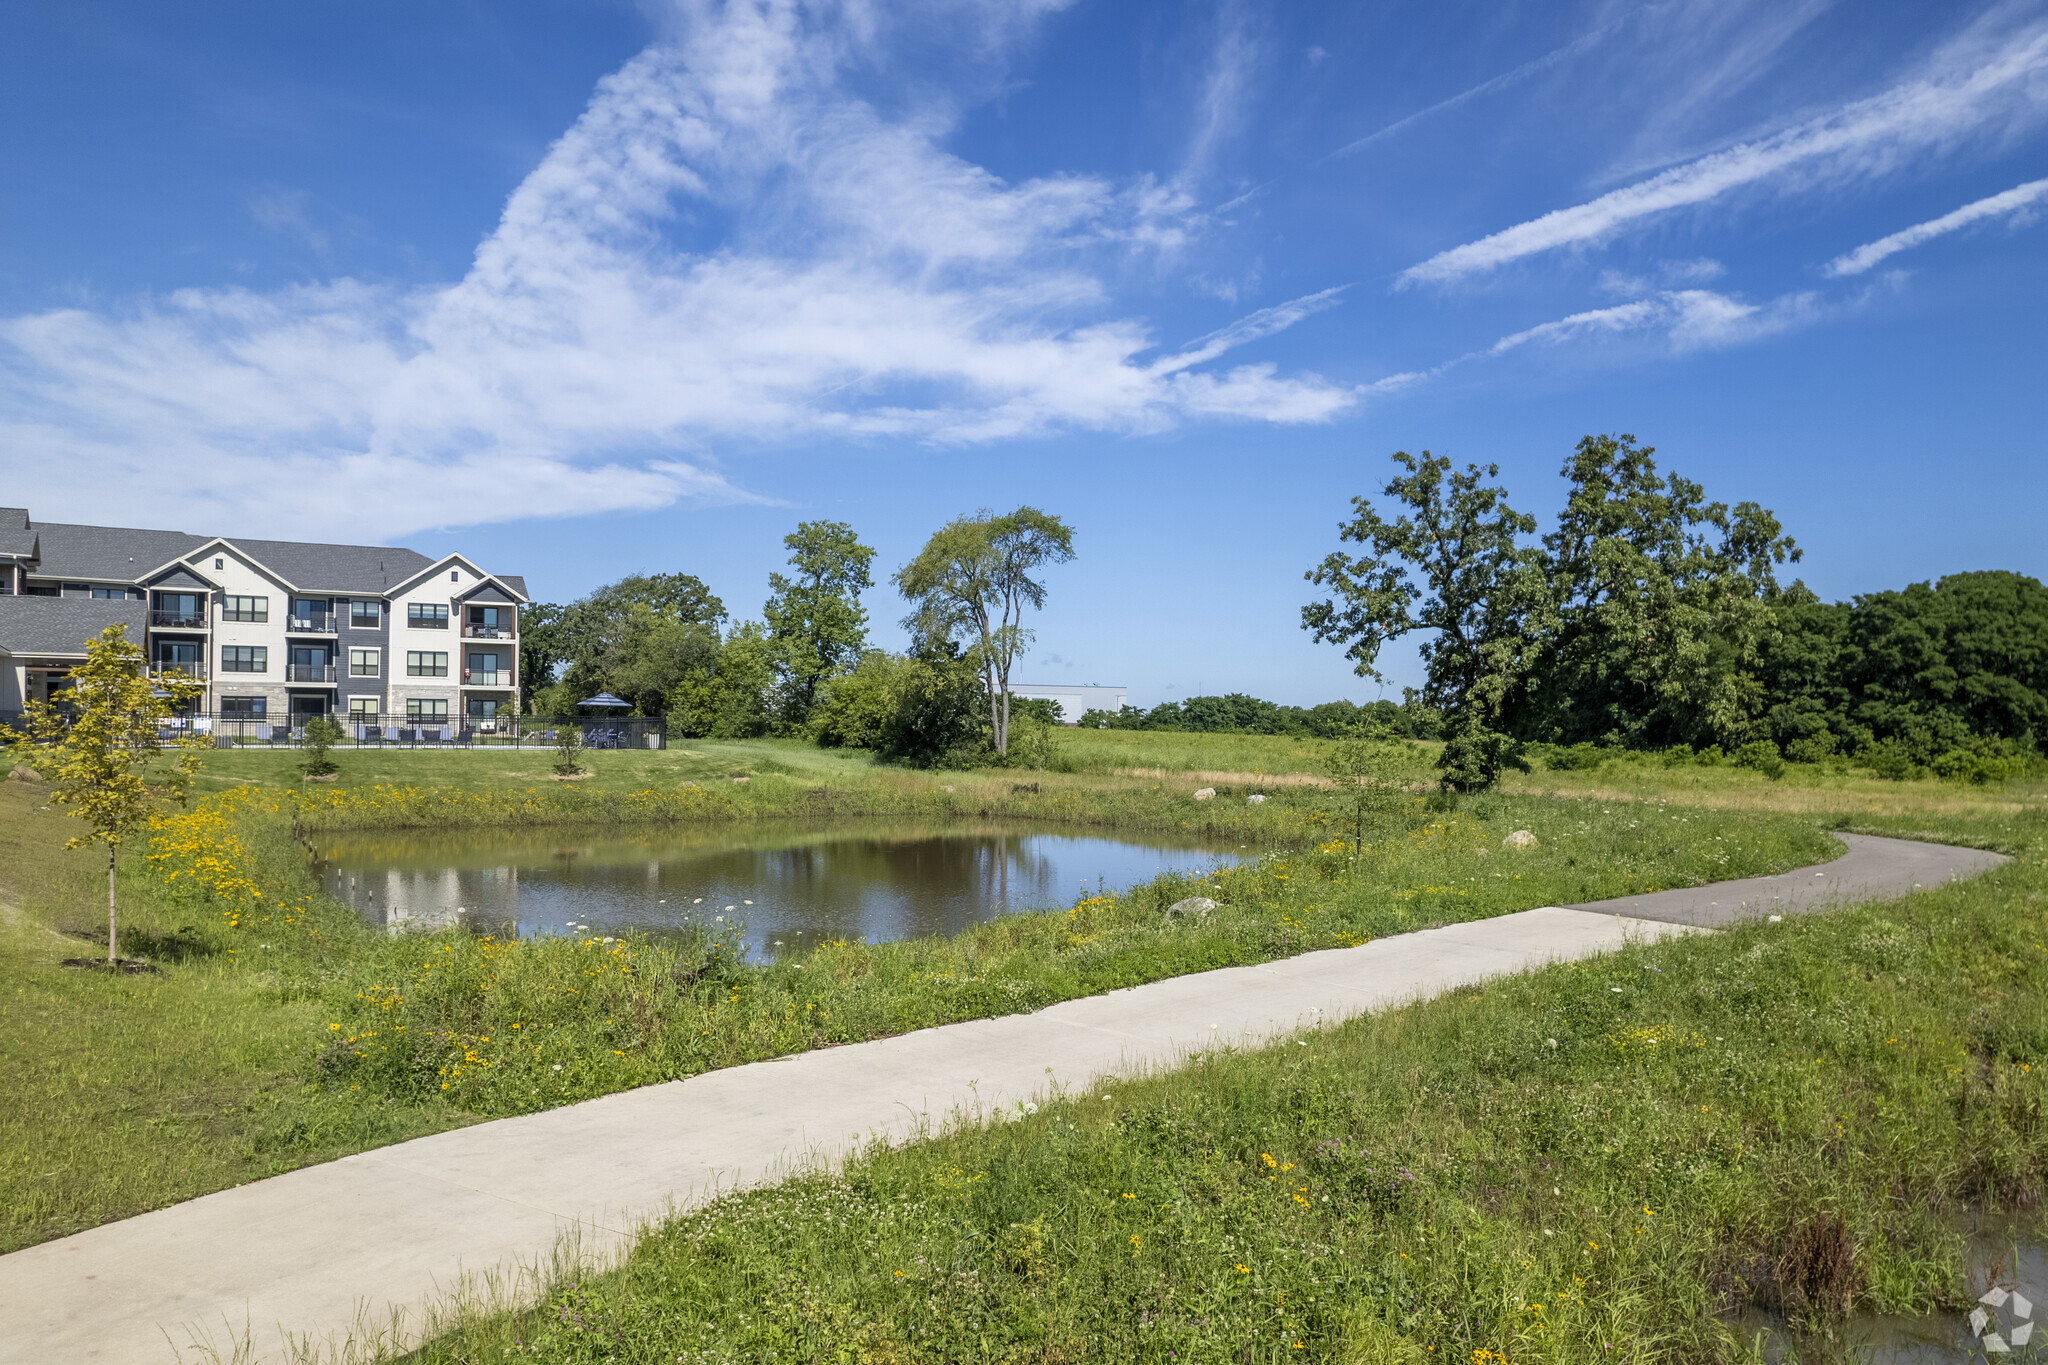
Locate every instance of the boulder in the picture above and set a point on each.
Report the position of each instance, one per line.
(1521, 838)
(1206, 794)
(1198, 906)
(23, 773)
(1256, 799)
(743, 779)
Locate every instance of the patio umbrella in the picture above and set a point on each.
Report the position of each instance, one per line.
(606, 699)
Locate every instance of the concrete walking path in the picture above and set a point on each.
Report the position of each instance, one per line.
(316, 1252)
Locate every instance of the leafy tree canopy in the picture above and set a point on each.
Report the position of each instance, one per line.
(814, 616)
(974, 577)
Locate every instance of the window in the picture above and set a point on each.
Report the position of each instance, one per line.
(488, 623)
(483, 669)
(454, 576)
(234, 608)
(243, 708)
(426, 709)
(363, 615)
(363, 663)
(78, 589)
(244, 659)
(362, 709)
(220, 563)
(426, 663)
(481, 708)
(426, 616)
(111, 594)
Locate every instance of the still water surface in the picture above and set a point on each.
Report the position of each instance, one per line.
(791, 885)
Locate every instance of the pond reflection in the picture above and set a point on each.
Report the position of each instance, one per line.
(794, 884)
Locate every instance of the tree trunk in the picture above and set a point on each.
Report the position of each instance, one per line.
(112, 959)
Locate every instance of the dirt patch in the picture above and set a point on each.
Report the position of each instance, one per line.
(126, 966)
(570, 777)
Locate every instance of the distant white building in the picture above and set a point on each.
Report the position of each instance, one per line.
(1073, 699)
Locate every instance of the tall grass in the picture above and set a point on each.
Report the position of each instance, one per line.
(497, 1026)
(1593, 1162)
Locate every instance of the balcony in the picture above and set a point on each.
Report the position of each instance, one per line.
(171, 668)
(160, 619)
(477, 677)
(475, 632)
(310, 623)
(310, 673)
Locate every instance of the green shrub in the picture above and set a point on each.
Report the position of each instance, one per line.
(1889, 760)
(1762, 756)
(1811, 748)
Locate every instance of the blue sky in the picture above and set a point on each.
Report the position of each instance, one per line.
(591, 288)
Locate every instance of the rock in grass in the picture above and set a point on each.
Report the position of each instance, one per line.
(1256, 799)
(1198, 906)
(1521, 838)
(23, 773)
(1206, 794)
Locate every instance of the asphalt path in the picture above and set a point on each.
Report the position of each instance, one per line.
(366, 1246)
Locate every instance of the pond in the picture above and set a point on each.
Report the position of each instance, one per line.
(2004, 1261)
(790, 885)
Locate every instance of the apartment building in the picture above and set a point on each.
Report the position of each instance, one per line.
(275, 630)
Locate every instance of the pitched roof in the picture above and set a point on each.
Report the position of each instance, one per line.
(335, 568)
(17, 541)
(108, 552)
(62, 625)
(123, 554)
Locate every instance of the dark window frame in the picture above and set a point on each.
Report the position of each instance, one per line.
(245, 658)
(256, 615)
(416, 665)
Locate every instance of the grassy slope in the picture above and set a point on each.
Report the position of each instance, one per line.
(128, 1094)
(1590, 1162)
(138, 1092)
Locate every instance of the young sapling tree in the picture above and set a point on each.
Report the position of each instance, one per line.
(108, 754)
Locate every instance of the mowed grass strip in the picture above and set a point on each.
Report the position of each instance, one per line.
(1596, 1161)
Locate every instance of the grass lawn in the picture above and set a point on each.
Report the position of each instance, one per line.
(279, 1031)
(1598, 1161)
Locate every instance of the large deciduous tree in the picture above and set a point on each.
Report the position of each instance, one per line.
(1664, 604)
(975, 576)
(106, 749)
(816, 624)
(1451, 565)
(637, 638)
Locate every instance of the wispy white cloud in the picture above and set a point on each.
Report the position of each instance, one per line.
(1535, 66)
(1687, 319)
(2016, 200)
(1989, 79)
(728, 249)
(1664, 275)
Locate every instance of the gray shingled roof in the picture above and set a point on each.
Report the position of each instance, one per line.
(62, 625)
(113, 552)
(336, 568)
(86, 552)
(516, 582)
(17, 541)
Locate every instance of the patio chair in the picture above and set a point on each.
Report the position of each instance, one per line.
(391, 734)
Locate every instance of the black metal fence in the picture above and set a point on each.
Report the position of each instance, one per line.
(383, 731)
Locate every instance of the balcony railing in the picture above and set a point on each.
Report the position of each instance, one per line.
(166, 668)
(309, 673)
(163, 619)
(477, 677)
(310, 623)
(476, 632)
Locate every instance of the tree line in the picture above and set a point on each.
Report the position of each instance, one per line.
(1650, 617)
(666, 645)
